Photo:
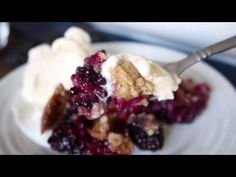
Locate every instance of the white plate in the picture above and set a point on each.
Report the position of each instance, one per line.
(211, 133)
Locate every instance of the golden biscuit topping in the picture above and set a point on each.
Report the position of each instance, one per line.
(55, 109)
(120, 143)
(129, 82)
(100, 128)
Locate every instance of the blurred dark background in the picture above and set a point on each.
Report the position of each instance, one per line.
(24, 36)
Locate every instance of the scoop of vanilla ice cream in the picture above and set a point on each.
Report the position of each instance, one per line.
(80, 36)
(49, 66)
(164, 83)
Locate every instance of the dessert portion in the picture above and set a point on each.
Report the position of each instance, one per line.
(116, 76)
(110, 115)
(103, 104)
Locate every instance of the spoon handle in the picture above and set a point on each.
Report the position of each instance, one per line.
(195, 57)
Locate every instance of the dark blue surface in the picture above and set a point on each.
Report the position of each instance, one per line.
(31, 34)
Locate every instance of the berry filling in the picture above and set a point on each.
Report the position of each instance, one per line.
(190, 100)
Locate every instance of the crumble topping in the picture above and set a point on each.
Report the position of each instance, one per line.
(55, 109)
(120, 143)
(128, 81)
(100, 128)
(115, 139)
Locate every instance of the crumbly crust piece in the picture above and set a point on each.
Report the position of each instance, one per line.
(128, 81)
(55, 109)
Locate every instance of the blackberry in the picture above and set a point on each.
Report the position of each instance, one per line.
(145, 132)
(63, 139)
(73, 138)
(87, 84)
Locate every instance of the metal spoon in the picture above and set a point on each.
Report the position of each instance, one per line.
(180, 66)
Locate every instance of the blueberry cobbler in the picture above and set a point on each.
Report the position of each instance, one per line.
(118, 102)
